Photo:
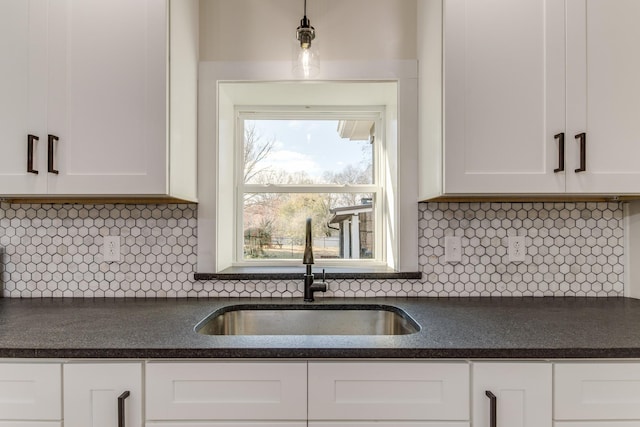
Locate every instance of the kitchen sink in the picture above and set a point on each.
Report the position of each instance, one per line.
(348, 319)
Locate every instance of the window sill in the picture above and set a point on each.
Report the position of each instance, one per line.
(293, 273)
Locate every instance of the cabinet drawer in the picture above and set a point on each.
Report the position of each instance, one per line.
(388, 424)
(230, 424)
(227, 391)
(31, 424)
(598, 391)
(597, 424)
(30, 391)
(388, 391)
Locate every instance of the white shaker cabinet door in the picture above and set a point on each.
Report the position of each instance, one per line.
(517, 394)
(107, 100)
(603, 95)
(23, 86)
(30, 391)
(378, 391)
(92, 392)
(504, 74)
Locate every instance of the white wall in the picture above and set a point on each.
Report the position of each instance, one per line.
(264, 30)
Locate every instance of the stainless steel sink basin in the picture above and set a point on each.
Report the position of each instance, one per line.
(308, 320)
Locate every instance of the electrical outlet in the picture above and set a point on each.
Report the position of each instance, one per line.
(517, 249)
(111, 248)
(452, 249)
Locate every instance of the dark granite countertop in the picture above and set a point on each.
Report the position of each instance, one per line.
(451, 328)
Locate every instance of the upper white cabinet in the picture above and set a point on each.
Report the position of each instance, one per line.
(529, 97)
(603, 94)
(92, 81)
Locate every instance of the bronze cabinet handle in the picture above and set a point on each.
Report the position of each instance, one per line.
(560, 138)
(582, 140)
(121, 412)
(30, 140)
(493, 408)
(50, 154)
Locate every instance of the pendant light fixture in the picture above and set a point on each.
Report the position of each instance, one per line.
(306, 57)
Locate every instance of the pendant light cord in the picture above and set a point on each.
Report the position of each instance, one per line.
(305, 8)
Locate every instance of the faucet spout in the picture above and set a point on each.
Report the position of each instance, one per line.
(307, 259)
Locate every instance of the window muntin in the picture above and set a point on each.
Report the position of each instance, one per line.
(294, 165)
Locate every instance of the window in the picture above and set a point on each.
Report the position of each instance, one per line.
(305, 162)
(384, 205)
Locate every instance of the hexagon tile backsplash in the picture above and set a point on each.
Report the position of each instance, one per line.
(572, 249)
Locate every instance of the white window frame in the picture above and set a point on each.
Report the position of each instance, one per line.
(215, 121)
(302, 112)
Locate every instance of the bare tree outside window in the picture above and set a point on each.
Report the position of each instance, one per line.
(273, 222)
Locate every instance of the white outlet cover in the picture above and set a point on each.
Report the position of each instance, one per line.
(517, 249)
(111, 248)
(452, 249)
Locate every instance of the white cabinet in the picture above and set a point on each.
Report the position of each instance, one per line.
(22, 84)
(98, 97)
(379, 391)
(603, 94)
(98, 394)
(521, 77)
(597, 394)
(30, 394)
(516, 394)
(504, 97)
(227, 391)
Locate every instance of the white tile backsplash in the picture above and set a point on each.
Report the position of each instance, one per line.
(573, 249)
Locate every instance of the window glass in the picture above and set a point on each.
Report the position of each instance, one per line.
(303, 152)
(343, 225)
(298, 165)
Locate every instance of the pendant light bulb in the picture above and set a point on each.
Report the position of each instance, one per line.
(306, 61)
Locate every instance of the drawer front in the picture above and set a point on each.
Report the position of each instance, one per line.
(596, 424)
(31, 424)
(229, 424)
(30, 391)
(388, 424)
(388, 391)
(597, 391)
(227, 391)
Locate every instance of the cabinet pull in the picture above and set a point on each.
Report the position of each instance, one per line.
(560, 138)
(50, 151)
(582, 137)
(493, 406)
(30, 140)
(121, 400)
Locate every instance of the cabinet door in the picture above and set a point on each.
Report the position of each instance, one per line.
(30, 391)
(522, 391)
(597, 391)
(387, 424)
(23, 91)
(228, 424)
(388, 391)
(504, 71)
(107, 96)
(603, 94)
(91, 394)
(226, 391)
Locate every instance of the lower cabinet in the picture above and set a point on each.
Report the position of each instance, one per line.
(393, 391)
(99, 394)
(597, 394)
(320, 394)
(227, 391)
(30, 394)
(512, 394)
